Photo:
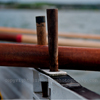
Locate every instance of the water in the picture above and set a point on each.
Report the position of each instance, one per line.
(84, 21)
(69, 20)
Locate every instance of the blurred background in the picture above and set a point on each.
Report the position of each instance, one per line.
(80, 16)
(74, 16)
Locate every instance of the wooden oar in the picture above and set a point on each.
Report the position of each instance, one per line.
(65, 35)
(61, 41)
(17, 30)
(79, 35)
(18, 38)
(21, 55)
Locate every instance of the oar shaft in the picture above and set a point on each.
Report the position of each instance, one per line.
(65, 35)
(37, 56)
(22, 55)
(11, 37)
(17, 30)
(18, 38)
(61, 41)
(79, 35)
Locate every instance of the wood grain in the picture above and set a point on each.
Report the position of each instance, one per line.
(22, 55)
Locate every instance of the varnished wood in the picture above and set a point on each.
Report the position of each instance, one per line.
(22, 55)
(61, 41)
(61, 34)
(17, 30)
(41, 30)
(8, 37)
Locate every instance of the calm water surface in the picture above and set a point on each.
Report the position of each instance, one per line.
(86, 22)
(69, 21)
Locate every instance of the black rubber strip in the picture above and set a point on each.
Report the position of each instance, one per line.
(40, 19)
(68, 82)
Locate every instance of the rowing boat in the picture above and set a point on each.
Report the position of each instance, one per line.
(49, 82)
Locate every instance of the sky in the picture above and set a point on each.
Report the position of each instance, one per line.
(58, 1)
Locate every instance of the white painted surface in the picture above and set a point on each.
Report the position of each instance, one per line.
(16, 83)
(57, 92)
(60, 72)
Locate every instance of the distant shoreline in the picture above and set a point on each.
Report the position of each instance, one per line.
(49, 5)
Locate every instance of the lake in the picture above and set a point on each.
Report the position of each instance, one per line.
(75, 21)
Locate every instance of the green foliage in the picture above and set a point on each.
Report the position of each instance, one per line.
(43, 4)
(22, 6)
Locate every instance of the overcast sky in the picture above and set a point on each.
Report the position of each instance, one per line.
(59, 1)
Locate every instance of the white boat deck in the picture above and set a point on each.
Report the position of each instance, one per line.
(24, 83)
